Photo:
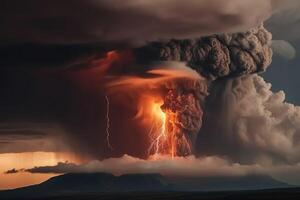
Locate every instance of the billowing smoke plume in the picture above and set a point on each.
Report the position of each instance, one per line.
(213, 57)
(217, 56)
(171, 96)
(244, 124)
(182, 103)
(221, 56)
(248, 123)
(219, 108)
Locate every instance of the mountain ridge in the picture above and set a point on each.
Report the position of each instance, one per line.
(87, 183)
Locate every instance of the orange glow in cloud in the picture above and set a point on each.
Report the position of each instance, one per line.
(165, 134)
(28, 160)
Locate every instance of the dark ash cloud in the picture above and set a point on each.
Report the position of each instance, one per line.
(63, 98)
(61, 167)
(79, 21)
(28, 137)
(217, 56)
(13, 171)
(75, 98)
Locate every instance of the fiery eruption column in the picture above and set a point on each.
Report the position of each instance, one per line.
(164, 134)
(168, 82)
(168, 103)
(158, 132)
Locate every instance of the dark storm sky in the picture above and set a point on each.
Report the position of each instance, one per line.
(284, 75)
(39, 36)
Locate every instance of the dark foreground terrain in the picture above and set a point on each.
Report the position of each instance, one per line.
(292, 193)
(153, 186)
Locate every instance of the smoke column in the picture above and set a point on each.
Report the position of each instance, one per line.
(213, 57)
(174, 76)
(217, 56)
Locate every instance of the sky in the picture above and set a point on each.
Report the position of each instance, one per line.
(53, 105)
(283, 71)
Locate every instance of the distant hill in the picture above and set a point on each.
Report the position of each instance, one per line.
(250, 182)
(92, 183)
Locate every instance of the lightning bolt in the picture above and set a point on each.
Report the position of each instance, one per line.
(159, 132)
(107, 123)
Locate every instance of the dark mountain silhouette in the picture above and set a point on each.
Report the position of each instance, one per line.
(99, 183)
(250, 182)
(141, 182)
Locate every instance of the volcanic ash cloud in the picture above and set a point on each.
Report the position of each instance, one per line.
(167, 85)
(213, 57)
(219, 55)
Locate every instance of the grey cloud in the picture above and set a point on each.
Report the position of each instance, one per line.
(284, 49)
(217, 56)
(189, 166)
(248, 123)
(28, 137)
(61, 167)
(284, 24)
(82, 21)
(186, 166)
(13, 171)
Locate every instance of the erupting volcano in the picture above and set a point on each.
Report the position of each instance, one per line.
(166, 135)
(148, 96)
(179, 117)
(169, 105)
(166, 83)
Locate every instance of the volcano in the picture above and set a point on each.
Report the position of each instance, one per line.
(99, 183)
